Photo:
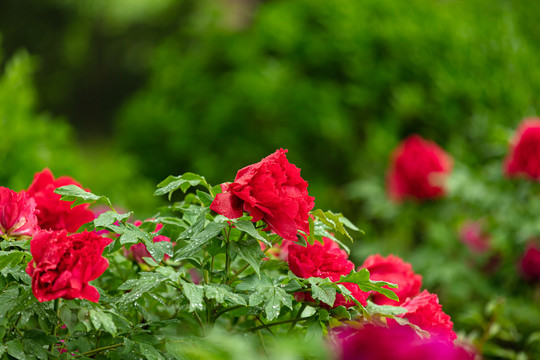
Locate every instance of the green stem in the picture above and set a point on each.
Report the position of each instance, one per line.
(200, 323)
(56, 308)
(263, 344)
(243, 268)
(298, 314)
(57, 311)
(98, 350)
(265, 326)
(230, 308)
(238, 272)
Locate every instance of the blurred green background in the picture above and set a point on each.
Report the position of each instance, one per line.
(121, 93)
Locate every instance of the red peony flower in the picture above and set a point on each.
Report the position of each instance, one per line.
(372, 343)
(425, 311)
(530, 262)
(138, 251)
(53, 213)
(524, 156)
(271, 190)
(473, 235)
(393, 269)
(17, 214)
(325, 260)
(418, 170)
(63, 265)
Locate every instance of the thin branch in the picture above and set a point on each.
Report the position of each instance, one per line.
(279, 323)
(98, 350)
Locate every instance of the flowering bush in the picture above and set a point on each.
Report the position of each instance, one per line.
(216, 278)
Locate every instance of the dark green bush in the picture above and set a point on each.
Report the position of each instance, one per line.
(338, 83)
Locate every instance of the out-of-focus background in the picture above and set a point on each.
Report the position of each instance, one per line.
(120, 94)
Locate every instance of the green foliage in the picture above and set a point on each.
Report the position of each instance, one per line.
(338, 83)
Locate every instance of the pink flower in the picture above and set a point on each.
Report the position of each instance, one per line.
(271, 190)
(17, 214)
(63, 265)
(325, 260)
(393, 269)
(524, 157)
(418, 170)
(473, 235)
(138, 251)
(425, 311)
(53, 213)
(530, 262)
(393, 343)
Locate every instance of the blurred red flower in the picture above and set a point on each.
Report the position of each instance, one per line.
(418, 170)
(63, 265)
(53, 213)
(473, 235)
(530, 262)
(325, 260)
(372, 342)
(392, 269)
(524, 156)
(17, 213)
(271, 190)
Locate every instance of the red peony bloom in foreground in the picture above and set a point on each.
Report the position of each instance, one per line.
(271, 190)
(418, 170)
(530, 262)
(63, 265)
(53, 213)
(524, 156)
(138, 251)
(394, 343)
(17, 214)
(425, 311)
(324, 261)
(393, 269)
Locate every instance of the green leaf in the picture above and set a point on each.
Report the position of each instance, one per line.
(194, 294)
(12, 258)
(205, 198)
(183, 182)
(80, 196)
(248, 227)
(103, 321)
(384, 309)
(250, 251)
(36, 349)
(15, 348)
(8, 300)
(293, 285)
(314, 331)
(221, 292)
(68, 318)
(340, 312)
(334, 221)
(110, 217)
(272, 298)
(362, 279)
(323, 290)
(253, 283)
(148, 281)
(266, 293)
(159, 249)
(150, 352)
(199, 240)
